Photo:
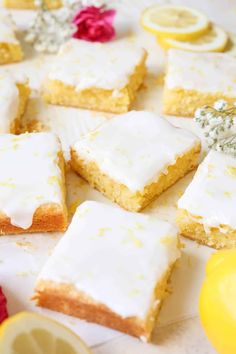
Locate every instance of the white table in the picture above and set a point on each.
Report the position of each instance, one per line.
(179, 331)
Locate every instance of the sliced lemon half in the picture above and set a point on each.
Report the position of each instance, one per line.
(215, 40)
(30, 333)
(171, 21)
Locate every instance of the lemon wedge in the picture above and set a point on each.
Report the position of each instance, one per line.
(215, 40)
(171, 21)
(30, 333)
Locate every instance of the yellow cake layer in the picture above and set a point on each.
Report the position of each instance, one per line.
(192, 227)
(67, 299)
(10, 53)
(24, 92)
(55, 92)
(119, 193)
(30, 4)
(181, 102)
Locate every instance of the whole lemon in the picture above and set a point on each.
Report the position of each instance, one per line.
(217, 303)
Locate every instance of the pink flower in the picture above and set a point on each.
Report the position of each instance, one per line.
(95, 24)
(3, 306)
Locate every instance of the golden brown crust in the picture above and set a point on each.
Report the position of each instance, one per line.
(24, 93)
(10, 53)
(55, 92)
(192, 227)
(67, 299)
(181, 102)
(49, 217)
(120, 194)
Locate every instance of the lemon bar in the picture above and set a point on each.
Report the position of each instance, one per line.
(111, 267)
(197, 79)
(134, 157)
(32, 192)
(31, 4)
(206, 211)
(10, 49)
(13, 100)
(96, 76)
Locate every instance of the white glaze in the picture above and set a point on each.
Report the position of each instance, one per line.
(204, 72)
(7, 34)
(114, 256)
(135, 148)
(29, 176)
(84, 65)
(212, 193)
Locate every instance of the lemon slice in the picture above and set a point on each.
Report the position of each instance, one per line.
(171, 21)
(215, 40)
(231, 46)
(30, 333)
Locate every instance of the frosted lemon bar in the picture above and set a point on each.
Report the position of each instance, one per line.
(197, 79)
(134, 157)
(32, 4)
(102, 77)
(111, 267)
(32, 195)
(14, 94)
(10, 49)
(206, 211)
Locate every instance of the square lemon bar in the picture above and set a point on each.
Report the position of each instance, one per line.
(32, 192)
(197, 79)
(10, 49)
(206, 211)
(101, 77)
(14, 94)
(31, 4)
(134, 157)
(111, 267)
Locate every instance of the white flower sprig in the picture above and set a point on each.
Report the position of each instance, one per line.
(50, 29)
(217, 123)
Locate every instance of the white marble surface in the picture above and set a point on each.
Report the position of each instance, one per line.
(179, 330)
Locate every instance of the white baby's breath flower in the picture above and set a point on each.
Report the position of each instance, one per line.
(199, 113)
(210, 141)
(216, 120)
(220, 105)
(50, 29)
(209, 116)
(97, 3)
(71, 2)
(212, 134)
(217, 123)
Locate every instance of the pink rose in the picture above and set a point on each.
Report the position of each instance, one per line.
(3, 306)
(95, 24)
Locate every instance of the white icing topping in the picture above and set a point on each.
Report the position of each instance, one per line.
(212, 193)
(29, 176)
(7, 34)
(114, 256)
(135, 148)
(9, 102)
(204, 72)
(84, 65)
